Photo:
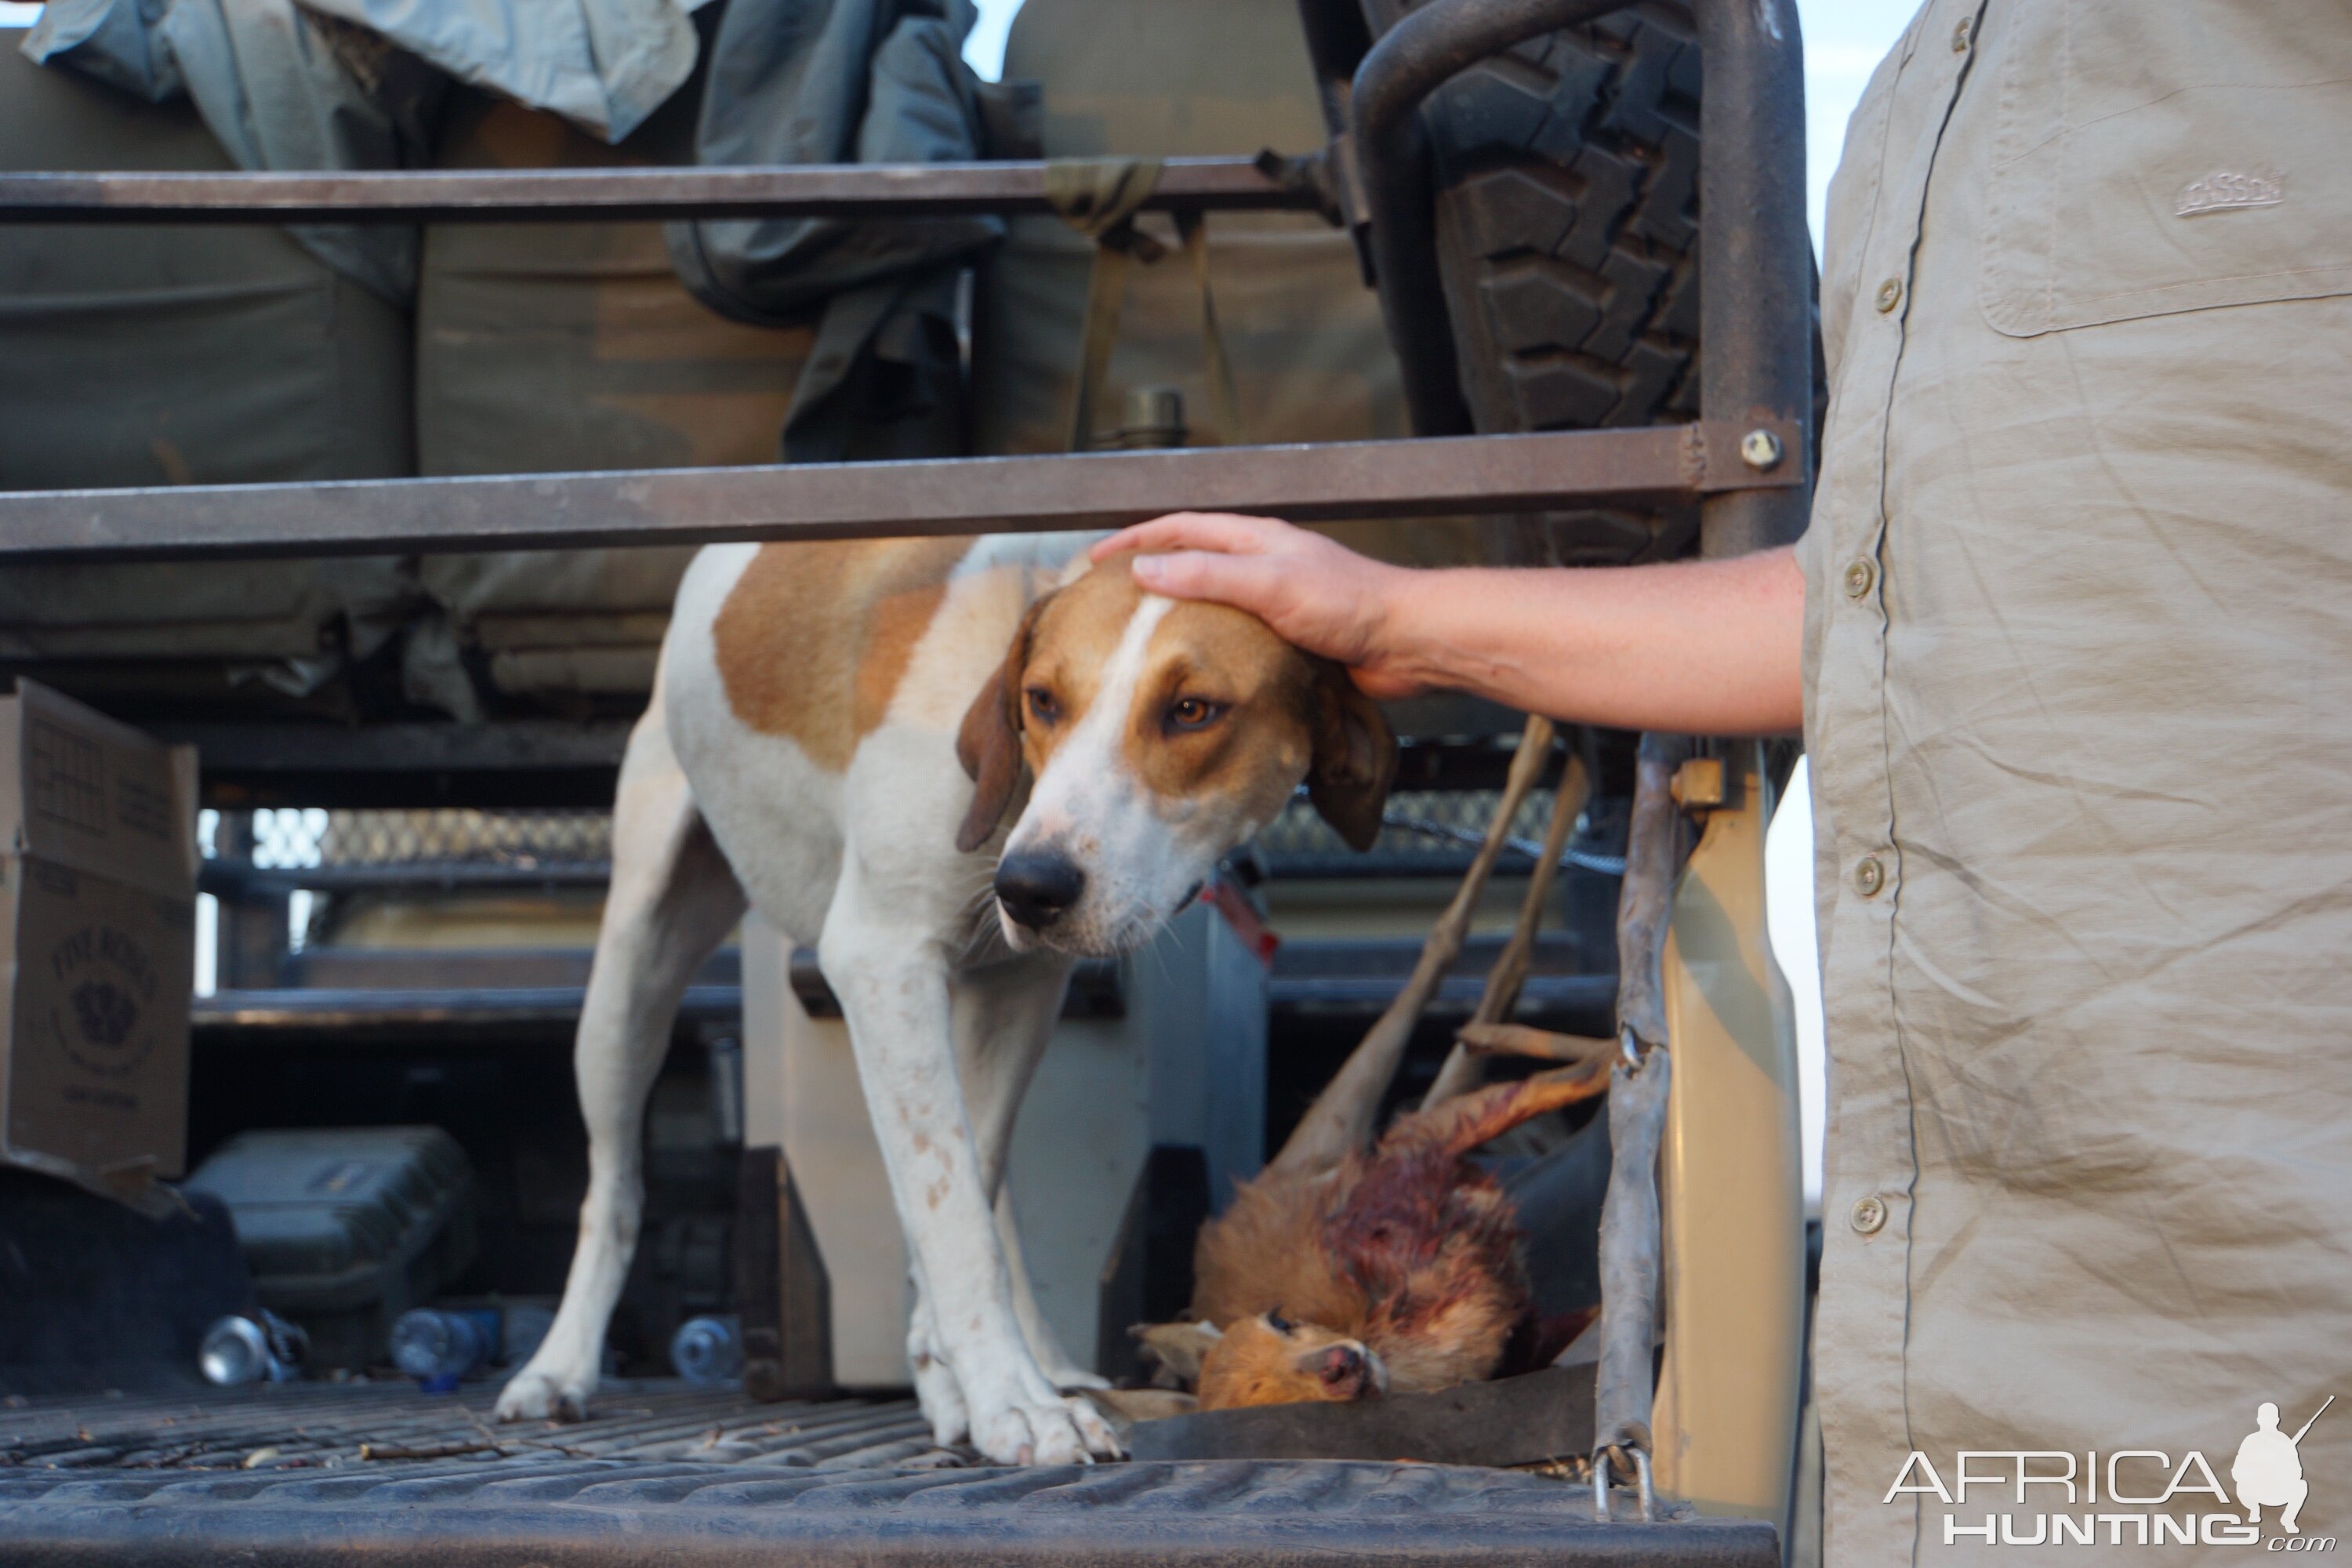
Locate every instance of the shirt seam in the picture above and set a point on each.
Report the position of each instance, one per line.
(1917, 205)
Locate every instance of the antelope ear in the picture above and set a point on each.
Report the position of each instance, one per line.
(988, 744)
(1180, 1347)
(1355, 758)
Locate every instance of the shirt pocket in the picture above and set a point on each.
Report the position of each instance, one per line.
(2150, 159)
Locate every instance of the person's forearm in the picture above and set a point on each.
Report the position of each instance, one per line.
(1698, 647)
(1701, 646)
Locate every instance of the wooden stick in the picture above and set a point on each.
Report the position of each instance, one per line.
(1630, 1249)
(1340, 1121)
(430, 1450)
(1645, 904)
(1629, 1241)
(1462, 1071)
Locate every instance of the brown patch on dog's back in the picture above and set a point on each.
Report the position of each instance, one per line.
(814, 638)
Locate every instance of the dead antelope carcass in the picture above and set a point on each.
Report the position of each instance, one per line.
(1351, 1265)
(1394, 1267)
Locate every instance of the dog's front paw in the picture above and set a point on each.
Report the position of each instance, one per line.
(1047, 1432)
(535, 1395)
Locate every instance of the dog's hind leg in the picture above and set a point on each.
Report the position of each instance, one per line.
(672, 899)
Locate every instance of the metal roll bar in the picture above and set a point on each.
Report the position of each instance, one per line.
(1755, 359)
(1425, 49)
(561, 195)
(856, 500)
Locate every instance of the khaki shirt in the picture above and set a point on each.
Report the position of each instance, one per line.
(2079, 704)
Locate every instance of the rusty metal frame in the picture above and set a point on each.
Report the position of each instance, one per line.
(1754, 371)
(1752, 379)
(553, 196)
(852, 500)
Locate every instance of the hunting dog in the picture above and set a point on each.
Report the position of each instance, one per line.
(951, 767)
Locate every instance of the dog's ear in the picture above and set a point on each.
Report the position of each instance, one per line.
(989, 742)
(1355, 759)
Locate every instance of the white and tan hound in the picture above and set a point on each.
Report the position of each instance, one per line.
(838, 734)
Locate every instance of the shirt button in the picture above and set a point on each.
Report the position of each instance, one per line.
(1869, 1216)
(1960, 37)
(1870, 876)
(1859, 576)
(1890, 294)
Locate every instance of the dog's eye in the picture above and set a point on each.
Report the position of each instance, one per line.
(1042, 707)
(1277, 1322)
(1194, 713)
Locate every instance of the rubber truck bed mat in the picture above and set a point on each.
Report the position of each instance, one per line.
(311, 1476)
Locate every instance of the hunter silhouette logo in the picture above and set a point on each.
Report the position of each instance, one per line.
(2122, 1497)
(2268, 1470)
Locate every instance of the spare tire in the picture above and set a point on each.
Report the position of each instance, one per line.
(1567, 219)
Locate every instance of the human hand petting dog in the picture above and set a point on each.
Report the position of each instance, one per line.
(1692, 646)
(1314, 591)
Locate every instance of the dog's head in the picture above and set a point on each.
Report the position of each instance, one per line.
(1158, 735)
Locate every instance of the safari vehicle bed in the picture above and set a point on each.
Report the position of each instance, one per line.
(329, 583)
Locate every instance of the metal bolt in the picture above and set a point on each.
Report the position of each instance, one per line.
(1869, 1216)
(1870, 876)
(1859, 576)
(1760, 450)
(1698, 783)
(1890, 294)
(1154, 417)
(1960, 37)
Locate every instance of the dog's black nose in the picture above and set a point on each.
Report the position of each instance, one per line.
(1037, 886)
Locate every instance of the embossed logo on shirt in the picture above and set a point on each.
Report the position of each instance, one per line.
(2228, 189)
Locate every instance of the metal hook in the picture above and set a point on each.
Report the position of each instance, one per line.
(1602, 1510)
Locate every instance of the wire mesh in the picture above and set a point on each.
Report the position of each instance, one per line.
(1427, 822)
(1437, 828)
(534, 839)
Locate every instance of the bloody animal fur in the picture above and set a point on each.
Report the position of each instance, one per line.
(1409, 1249)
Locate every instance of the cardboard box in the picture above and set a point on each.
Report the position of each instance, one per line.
(98, 888)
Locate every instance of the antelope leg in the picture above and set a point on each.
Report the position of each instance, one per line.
(1518, 1040)
(1462, 1072)
(1339, 1122)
